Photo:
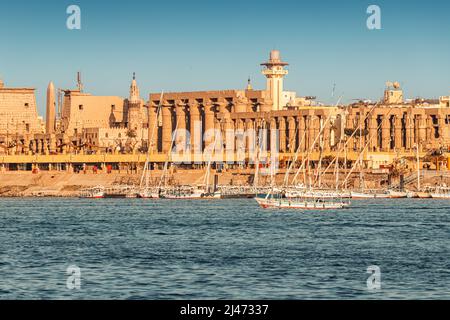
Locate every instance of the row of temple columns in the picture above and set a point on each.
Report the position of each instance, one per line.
(381, 131)
(204, 121)
(386, 132)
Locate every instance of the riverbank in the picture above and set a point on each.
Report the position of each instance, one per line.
(66, 184)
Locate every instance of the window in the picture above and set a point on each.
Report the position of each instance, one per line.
(106, 135)
(26, 105)
(80, 107)
(27, 127)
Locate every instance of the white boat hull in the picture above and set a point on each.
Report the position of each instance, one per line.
(440, 195)
(317, 194)
(362, 195)
(94, 195)
(305, 205)
(397, 194)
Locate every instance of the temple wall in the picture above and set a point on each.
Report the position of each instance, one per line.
(18, 112)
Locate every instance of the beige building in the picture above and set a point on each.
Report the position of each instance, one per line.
(18, 112)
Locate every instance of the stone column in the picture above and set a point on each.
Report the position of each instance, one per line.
(317, 127)
(373, 136)
(326, 136)
(209, 124)
(310, 134)
(429, 129)
(398, 132)
(52, 143)
(166, 129)
(301, 133)
(274, 140)
(251, 136)
(386, 134)
(441, 124)
(349, 124)
(291, 128)
(282, 133)
(195, 127)
(409, 131)
(181, 126)
(152, 134)
(422, 130)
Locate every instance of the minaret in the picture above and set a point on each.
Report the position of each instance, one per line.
(50, 114)
(249, 85)
(275, 73)
(134, 106)
(134, 90)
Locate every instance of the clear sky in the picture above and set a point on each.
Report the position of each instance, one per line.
(216, 44)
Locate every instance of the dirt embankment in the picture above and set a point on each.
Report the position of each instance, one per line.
(65, 184)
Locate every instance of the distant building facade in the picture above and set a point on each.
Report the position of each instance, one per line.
(192, 121)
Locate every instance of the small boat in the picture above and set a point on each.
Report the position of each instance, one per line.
(369, 195)
(412, 195)
(285, 203)
(423, 195)
(397, 194)
(93, 193)
(148, 194)
(280, 201)
(441, 193)
(189, 193)
(314, 194)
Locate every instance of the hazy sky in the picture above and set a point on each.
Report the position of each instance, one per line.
(217, 44)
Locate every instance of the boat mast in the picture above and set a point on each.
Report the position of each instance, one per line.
(313, 144)
(208, 167)
(336, 169)
(166, 164)
(365, 147)
(146, 172)
(258, 145)
(360, 150)
(418, 167)
(286, 177)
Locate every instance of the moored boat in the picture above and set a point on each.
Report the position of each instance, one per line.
(314, 194)
(423, 195)
(93, 193)
(441, 193)
(285, 203)
(369, 195)
(397, 194)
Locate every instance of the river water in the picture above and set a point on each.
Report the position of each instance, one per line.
(222, 249)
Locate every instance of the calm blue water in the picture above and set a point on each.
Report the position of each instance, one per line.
(229, 249)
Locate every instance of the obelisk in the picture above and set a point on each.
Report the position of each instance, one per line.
(50, 115)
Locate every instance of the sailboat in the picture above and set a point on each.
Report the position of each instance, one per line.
(280, 201)
(277, 198)
(188, 192)
(364, 193)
